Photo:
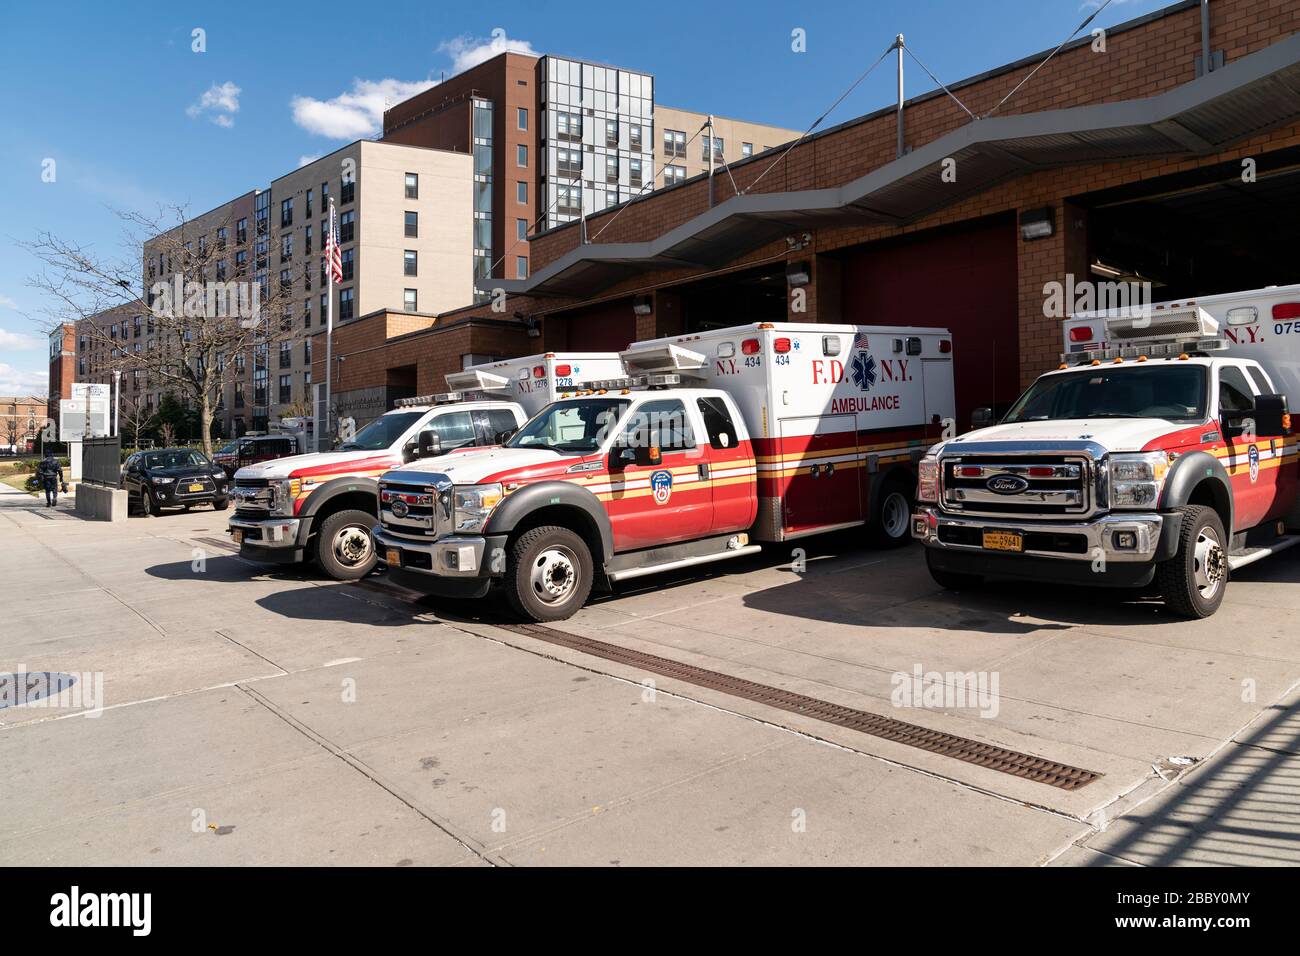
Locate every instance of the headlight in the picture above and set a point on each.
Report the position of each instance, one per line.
(927, 485)
(162, 481)
(286, 491)
(1136, 480)
(474, 504)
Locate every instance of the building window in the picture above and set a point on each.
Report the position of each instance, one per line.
(286, 354)
(241, 262)
(521, 267)
(521, 155)
(412, 225)
(521, 228)
(634, 173)
(306, 353)
(521, 118)
(221, 238)
(136, 325)
(286, 213)
(521, 192)
(611, 133)
(568, 162)
(348, 192)
(348, 261)
(674, 142)
(412, 186)
(569, 200)
(286, 280)
(306, 314)
(239, 394)
(306, 239)
(611, 169)
(410, 263)
(347, 226)
(410, 300)
(717, 147)
(286, 389)
(241, 237)
(568, 126)
(286, 247)
(674, 174)
(746, 149)
(347, 304)
(324, 196)
(221, 270)
(634, 137)
(308, 210)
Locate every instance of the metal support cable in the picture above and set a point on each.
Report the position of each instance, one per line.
(940, 82)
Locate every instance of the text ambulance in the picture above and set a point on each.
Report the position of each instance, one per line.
(783, 430)
(322, 506)
(1161, 450)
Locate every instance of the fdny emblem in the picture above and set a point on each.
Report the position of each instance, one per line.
(863, 370)
(1253, 455)
(661, 483)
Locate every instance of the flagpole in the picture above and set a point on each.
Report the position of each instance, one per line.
(329, 326)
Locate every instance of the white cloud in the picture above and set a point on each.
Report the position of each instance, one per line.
(219, 103)
(467, 51)
(18, 340)
(16, 381)
(7, 303)
(307, 160)
(357, 113)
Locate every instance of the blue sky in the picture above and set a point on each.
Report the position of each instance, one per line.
(135, 119)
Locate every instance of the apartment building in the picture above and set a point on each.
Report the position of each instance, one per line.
(731, 141)
(405, 228)
(556, 139)
(21, 418)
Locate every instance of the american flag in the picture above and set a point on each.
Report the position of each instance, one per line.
(860, 341)
(332, 248)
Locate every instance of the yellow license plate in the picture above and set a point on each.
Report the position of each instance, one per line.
(393, 557)
(237, 537)
(1004, 541)
(196, 487)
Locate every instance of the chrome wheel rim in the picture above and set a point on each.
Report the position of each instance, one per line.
(352, 546)
(1209, 564)
(554, 575)
(895, 515)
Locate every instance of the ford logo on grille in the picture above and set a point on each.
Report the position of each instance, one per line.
(400, 508)
(1006, 484)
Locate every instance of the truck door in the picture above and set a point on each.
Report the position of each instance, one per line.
(729, 467)
(939, 399)
(671, 501)
(1254, 458)
(818, 479)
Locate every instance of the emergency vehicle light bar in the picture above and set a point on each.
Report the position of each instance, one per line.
(1135, 350)
(441, 398)
(477, 380)
(661, 358)
(655, 380)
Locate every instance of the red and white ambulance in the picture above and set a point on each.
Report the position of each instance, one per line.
(716, 441)
(322, 506)
(1160, 451)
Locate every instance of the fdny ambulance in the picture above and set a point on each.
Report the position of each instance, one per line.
(322, 506)
(713, 443)
(1160, 451)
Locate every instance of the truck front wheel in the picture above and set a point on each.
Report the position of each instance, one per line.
(549, 573)
(345, 549)
(1194, 580)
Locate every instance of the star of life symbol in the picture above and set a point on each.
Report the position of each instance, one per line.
(863, 370)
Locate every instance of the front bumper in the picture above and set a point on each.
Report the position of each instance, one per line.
(451, 566)
(1118, 549)
(270, 540)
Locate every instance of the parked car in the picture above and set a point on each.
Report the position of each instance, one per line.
(254, 449)
(173, 478)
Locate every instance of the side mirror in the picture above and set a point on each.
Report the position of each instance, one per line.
(504, 436)
(647, 456)
(429, 444)
(981, 417)
(336, 442)
(1271, 416)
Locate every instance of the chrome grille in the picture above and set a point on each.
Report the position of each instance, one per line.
(996, 485)
(421, 507)
(253, 496)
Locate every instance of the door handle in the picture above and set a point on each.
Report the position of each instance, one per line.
(703, 469)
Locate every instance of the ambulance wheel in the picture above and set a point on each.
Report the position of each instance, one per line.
(951, 580)
(548, 574)
(1194, 580)
(891, 515)
(345, 548)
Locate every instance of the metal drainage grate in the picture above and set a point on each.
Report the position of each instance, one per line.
(949, 745)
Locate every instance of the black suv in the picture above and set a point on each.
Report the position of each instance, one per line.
(173, 478)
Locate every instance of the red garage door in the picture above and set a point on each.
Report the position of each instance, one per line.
(609, 327)
(962, 279)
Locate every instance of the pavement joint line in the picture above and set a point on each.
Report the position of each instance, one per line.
(793, 731)
(283, 670)
(466, 841)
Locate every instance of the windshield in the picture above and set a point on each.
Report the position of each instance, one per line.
(1174, 392)
(180, 458)
(570, 426)
(382, 432)
(227, 448)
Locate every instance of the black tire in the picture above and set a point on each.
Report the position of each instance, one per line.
(220, 504)
(339, 551)
(951, 580)
(148, 507)
(891, 515)
(548, 574)
(1195, 579)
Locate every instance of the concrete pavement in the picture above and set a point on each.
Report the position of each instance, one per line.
(265, 716)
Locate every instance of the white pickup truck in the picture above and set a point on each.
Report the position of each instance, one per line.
(1160, 451)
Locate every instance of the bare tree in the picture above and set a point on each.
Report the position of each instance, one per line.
(203, 308)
